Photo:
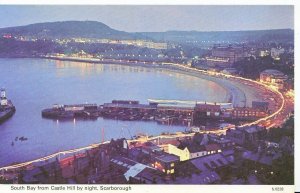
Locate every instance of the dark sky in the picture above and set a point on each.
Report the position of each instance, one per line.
(156, 18)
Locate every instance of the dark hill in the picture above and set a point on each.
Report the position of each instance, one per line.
(281, 35)
(94, 29)
(68, 29)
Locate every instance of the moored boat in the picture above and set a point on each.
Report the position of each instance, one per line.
(7, 109)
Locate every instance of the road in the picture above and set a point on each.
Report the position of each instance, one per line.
(282, 104)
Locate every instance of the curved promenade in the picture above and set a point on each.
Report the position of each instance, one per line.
(244, 80)
(187, 69)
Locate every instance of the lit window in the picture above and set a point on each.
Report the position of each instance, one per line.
(172, 164)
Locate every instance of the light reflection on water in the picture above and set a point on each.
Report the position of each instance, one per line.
(34, 84)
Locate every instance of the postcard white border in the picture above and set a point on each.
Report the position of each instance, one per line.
(196, 188)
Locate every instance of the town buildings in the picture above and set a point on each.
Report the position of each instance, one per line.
(273, 78)
(276, 52)
(247, 113)
(225, 56)
(247, 136)
(199, 159)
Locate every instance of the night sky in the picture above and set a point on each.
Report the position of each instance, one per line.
(156, 18)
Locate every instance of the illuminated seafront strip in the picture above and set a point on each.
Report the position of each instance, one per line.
(271, 88)
(179, 67)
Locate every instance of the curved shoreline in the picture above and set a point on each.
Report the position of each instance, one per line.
(171, 67)
(184, 69)
(233, 93)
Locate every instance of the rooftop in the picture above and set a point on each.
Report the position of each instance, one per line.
(134, 170)
(193, 148)
(150, 147)
(131, 167)
(212, 147)
(162, 140)
(261, 157)
(208, 162)
(167, 158)
(228, 152)
(205, 177)
(123, 162)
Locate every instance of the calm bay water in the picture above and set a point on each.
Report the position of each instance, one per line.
(35, 84)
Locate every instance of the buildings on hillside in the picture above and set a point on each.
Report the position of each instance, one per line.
(138, 43)
(225, 56)
(273, 78)
(198, 159)
(200, 145)
(276, 52)
(247, 136)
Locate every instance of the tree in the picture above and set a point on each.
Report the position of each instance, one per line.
(282, 171)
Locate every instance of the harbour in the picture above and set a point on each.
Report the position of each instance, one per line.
(34, 91)
(157, 109)
(112, 101)
(166, 112)
(122, 81)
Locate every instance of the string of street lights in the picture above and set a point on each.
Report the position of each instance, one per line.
(180, 66)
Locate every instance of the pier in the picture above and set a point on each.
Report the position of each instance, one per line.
(168, 112)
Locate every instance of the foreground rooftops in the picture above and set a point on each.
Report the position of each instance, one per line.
(132, 168)
(261, 157)
(193, 148)
(210, 162)
(167, 158)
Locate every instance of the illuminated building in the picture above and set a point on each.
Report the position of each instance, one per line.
(275, 52)
(246, 136)
(273, 78)
(215, 61)
(260, 105)
(263, 53)
(166, 163)
(248, 113)
(225, 56)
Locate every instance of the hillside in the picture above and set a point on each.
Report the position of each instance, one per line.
(282, 35)
(94, 29)
(68, 29)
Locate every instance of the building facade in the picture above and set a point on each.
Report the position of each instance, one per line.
(273, 78)
(247, 136)
(225, 56)
(247, 113)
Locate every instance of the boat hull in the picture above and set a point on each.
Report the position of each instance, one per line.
(7, 113)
